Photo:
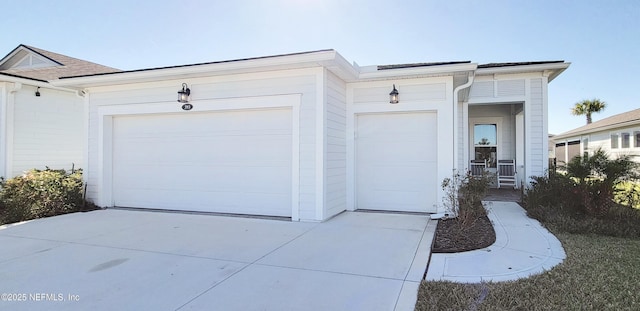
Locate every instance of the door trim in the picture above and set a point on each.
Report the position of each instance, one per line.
(105, 134)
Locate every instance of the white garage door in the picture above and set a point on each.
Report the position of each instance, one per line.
(229, 162)
(396, 162)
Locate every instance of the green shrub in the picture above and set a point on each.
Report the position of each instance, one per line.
(628, 193)
(41, 193)
(618, 221)
(474, 188)
(463, 194)
(594, 181)
(582, 202)
(550, 190)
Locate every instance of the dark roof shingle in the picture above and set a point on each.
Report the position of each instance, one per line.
(512, 64)
(413, 65)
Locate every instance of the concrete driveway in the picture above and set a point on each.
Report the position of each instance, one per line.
(133, 260)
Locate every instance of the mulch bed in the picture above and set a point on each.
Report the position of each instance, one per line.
(450, 237)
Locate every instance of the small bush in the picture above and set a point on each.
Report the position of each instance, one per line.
(41, 193)
(628, 193)
(463, 194)
(597, 178)
(549, 191)
(467, 227)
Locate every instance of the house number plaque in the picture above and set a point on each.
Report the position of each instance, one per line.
(187, 106)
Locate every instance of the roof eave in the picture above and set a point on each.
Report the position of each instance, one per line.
(328, 58)
(417, 71)
(597, 129)
(22, 79)
(5, 77)
(553, 69)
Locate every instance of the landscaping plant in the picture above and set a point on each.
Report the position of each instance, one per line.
(602, 243)
(466, 227)
(41, 193)
(463, 194)
(585, 199)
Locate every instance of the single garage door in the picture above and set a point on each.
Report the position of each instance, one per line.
(396, 162)
(229, 162)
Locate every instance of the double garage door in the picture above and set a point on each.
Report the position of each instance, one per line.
(230, 162)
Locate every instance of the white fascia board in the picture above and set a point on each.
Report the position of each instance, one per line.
(417, 71)
(342, 68)
(555, 68)
(305, 60)
(36, 83)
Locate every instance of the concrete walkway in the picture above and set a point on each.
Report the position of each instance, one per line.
(523, 248)
(132, 260)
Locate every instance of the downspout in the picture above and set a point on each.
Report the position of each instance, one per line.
(471, 76)
(83, 95)
(455, 117)
(7, 130)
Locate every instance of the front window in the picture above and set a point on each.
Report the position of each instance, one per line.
(626, 139)
(585, 146)
(637, 135)
(614, 141)
(486, 143)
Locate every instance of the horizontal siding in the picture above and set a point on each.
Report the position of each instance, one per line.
(497, 89)
(336, 150)
(48, 131)
(602, 140)
(538, 151)
(408, 93)
(481, 89)
(511, 88)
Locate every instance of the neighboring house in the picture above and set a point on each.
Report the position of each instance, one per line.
(306, 135)
(617, 135)
(41, 124)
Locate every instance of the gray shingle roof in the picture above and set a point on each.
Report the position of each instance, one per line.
(69, 66)
(628, 118)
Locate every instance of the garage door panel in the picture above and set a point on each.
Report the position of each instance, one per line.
(396, 161)
(240, 149)
(231, 162)
(399, 178)
(218, 201)
(395, 198)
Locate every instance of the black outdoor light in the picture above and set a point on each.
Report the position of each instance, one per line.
(183, 95)
(38, 92)
(393, 96)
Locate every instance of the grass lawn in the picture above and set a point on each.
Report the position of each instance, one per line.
(600, 273)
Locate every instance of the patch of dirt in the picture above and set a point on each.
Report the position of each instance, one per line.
(451, 237)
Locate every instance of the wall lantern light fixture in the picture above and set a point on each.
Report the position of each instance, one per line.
(183, 95)
(38, 92)
(393, 96)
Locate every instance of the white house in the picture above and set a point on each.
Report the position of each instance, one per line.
(617, 135)
(41, 124)
(305, 135)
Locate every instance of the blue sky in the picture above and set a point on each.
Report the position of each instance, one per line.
(600, 38)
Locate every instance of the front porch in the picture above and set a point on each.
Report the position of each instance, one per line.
(496, 135)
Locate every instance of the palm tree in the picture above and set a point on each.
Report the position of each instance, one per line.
(587, 107)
